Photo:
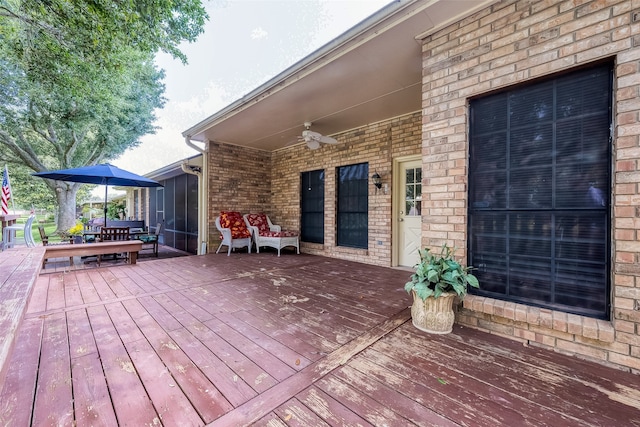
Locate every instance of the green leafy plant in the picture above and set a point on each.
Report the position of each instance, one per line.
(76, 230)
(435, 275)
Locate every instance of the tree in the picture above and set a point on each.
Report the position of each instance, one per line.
(78, 82)
(46, 127)
(31, 192)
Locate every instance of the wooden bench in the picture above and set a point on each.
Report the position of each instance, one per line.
(19, 268)
(132, 247)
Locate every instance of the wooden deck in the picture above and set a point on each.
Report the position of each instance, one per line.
(297, 340)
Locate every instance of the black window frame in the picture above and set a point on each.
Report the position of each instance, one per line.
(312, 199)
(535, 235)
(352, 207)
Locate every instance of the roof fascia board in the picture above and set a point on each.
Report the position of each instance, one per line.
(174, 168)
(440, 25)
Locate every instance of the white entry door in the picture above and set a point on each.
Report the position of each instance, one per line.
(409, 209)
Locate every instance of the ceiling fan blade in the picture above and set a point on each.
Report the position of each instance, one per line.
(327, 140)
(313, 143)
(314, 139)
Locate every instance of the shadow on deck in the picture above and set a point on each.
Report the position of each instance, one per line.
(295, 340)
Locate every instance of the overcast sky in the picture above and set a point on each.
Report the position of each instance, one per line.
(245, 43)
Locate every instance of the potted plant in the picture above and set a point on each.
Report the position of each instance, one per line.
(437, 280)
(76, 232)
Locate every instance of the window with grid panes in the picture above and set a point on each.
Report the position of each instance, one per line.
(312, 206)
(539, 192)
(413, 192)
(353, 206)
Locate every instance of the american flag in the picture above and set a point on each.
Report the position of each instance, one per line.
(6, 191)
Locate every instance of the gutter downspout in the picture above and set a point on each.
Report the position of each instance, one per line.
(203, 191)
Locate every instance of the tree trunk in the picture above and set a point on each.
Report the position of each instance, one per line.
(66, 197)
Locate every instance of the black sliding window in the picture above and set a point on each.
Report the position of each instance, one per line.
(539, 192)
(312, 206)
(353, 206)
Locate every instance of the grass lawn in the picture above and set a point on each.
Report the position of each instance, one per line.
(49, 229)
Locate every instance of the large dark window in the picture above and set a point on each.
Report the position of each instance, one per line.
(539, 192)
(312, 206)
(353, 206)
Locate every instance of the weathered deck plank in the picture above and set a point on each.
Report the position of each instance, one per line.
(54, 400)
(19, 390)
(202, 393)
(130, 400)
(329, 409)
(234, 389)
(295, 341)
(92, 403)
(295, 413)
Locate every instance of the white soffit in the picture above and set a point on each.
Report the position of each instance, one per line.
(370, 73)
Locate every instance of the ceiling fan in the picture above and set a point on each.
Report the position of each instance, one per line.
(314, 139)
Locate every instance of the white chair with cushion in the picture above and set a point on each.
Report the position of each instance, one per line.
(264, 233)
(233, 231)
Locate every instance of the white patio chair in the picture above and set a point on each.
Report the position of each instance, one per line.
(264, 233)
(233, 231)
(9, 234)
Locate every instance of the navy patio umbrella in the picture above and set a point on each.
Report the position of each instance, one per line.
(103, 174)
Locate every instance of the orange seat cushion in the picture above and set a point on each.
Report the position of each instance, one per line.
(259, 220)
(235, 222)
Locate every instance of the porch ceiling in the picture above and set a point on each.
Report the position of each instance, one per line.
(370, 73)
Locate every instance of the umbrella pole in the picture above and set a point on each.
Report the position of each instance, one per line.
(106, 188)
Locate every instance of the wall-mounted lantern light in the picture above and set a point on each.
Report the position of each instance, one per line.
(377, 180)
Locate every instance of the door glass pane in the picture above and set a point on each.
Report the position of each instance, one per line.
(413, 192)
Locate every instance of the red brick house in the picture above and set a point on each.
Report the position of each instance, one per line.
(506, 128)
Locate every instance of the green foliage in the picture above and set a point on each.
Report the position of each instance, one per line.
(437, 274)
(115, 209)
(78, 82)
(32, 192)
(43, 221)
(51, 33)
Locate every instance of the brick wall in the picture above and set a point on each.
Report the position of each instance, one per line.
(509, 43)
(250, 180)
(378, 144)
(239, 180)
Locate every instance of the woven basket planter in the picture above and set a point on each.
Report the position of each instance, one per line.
(433, 315)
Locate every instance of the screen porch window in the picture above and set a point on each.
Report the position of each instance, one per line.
(312, 206)
(539, 193)
(353, 206)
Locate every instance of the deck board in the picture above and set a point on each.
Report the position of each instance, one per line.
(18, 394)
(541, 382)
(131, 403)
(329, 409)
(295, 414)
(92, 403)
(54, 399)
(298, 340)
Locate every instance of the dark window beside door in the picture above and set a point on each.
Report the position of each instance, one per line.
(353, 206)
(312, 206)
